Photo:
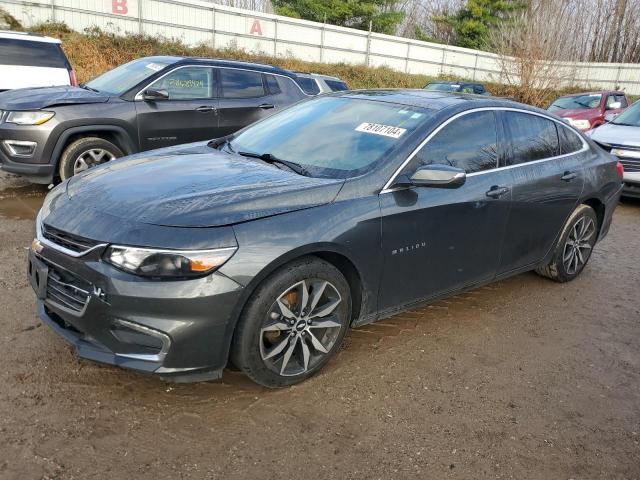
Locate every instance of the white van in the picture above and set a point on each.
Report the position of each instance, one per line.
(30, 60)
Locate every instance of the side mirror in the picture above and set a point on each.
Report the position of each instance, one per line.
(154, 94)
(614, 106)
(440, 176)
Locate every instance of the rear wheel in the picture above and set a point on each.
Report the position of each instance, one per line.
(574, 247)
(293, 324)
(85, 153)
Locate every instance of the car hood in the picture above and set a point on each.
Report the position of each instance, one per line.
(38, 98)
(578, 113)
(195, 186)
(613, 134)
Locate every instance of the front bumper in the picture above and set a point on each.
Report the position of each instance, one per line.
(179, 330)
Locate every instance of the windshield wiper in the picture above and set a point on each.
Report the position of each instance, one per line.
(86, 87)
(269, 158)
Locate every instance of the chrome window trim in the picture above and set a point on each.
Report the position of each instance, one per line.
(585, 146)
(138, 96)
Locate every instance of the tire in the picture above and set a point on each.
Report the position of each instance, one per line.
(582, 223)
(272, 327)
(90, 150)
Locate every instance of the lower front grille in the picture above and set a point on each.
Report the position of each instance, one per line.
(66, 289)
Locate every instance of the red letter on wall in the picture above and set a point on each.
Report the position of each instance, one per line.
(256, 28)
(119, 7)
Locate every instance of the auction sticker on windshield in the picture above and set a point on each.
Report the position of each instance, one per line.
(379, 129)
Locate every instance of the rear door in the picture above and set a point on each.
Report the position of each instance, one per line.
(547, 182)
(190, 114)
(246, 96)
(437, 240)
(32, 63)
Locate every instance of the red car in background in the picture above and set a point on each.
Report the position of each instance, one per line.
(585, 111)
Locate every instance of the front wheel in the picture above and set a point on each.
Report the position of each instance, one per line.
(293, 324)
(86, 153)
(574, 247)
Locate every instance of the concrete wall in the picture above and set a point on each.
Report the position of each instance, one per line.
(202, 22)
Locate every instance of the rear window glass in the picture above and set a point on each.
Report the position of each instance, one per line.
(241, 83)
(336, 85)
(31, 54)
(569, 140)
(272, 85)
(308, 85)
(532, 137)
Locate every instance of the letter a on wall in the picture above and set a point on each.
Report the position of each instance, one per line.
(256, 29)
(119, 7)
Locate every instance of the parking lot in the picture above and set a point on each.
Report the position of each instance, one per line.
(520, 379)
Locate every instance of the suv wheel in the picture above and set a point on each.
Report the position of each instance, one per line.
(85, 153)
(293, 323)
(574, 247)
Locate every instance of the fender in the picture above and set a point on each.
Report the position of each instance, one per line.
(125, 140)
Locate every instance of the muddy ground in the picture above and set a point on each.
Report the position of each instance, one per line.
(521, 379)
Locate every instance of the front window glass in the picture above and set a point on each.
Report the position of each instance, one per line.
(333, 137)
(443, 87)
(125, 77)
(188, 83)
(630, 117)
(577, 102)
(469, 143)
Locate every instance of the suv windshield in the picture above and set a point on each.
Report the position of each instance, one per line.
(443, 87)
(630, 117)
(576, 102)
(332, 137)
(125, 77)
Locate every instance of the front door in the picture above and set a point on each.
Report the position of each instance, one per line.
(437, 240)
(547, 183)
(188, 115)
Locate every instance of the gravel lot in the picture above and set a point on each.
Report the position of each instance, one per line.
(521, 379)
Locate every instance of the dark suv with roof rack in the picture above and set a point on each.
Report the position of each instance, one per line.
(153, 102)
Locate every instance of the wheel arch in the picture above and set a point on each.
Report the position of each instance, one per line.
(599, 207)
(113, 133)
(331, 253)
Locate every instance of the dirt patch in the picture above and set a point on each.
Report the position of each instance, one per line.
(524, 378)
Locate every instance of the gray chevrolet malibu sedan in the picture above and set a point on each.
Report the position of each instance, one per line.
(263, 248)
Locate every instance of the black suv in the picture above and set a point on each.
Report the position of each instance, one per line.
(152, 102)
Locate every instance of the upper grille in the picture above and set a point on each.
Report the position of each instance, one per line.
(629, 164)
(66, 289)
(67, 240)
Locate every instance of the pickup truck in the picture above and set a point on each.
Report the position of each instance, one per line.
(585, 111)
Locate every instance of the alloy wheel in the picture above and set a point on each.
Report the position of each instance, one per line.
(301, 327)
(91, 158)
(579, 244)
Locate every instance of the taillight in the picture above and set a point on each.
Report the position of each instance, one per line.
(72, 78)
(620, 169)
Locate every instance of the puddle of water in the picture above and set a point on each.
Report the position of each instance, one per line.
(22, 203)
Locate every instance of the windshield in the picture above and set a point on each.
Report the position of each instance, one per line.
(631, 116)
(332, 137)
(443, 87)
(125, 77)
(577, 102)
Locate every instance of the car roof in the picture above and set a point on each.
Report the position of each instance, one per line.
(435, 100)
(218, 62)
(27, 36)
(317, 75)
(452, 82)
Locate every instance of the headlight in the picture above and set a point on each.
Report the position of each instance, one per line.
(29, 118)
(580, 124)
(151, 262)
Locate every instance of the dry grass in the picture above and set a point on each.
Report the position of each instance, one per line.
(95, 51)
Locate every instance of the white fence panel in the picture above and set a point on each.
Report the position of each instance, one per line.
(198, 22)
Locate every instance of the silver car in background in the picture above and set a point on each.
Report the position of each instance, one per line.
(316, 84)
(621, 137)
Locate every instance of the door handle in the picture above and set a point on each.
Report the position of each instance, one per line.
(266, 106)
(568, 176)
(206, 109)
(497, 192)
